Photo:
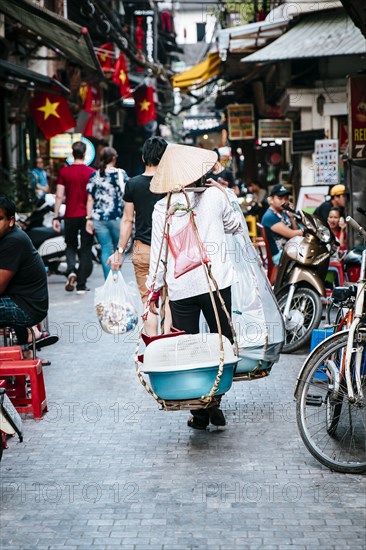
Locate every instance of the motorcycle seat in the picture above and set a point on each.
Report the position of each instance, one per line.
(353, 257)
(342, 294)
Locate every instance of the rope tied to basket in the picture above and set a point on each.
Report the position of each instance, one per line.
(210, 399)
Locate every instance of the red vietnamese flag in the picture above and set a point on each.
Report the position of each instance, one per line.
(51, 113)
(92, 105)
(120, 76)
(105, 57)
(145, 106)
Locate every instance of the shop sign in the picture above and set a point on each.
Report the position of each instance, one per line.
(326, 168)
(357, 116)
(201, 123)
(241, 121)
(303, 141)
(145, 35)
(269, 129)
(61, 147)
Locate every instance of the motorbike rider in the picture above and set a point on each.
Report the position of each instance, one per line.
(278, 224)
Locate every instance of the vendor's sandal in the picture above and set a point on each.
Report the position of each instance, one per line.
(197, 425)
(217, 417)
(45, 340)
(45, 362)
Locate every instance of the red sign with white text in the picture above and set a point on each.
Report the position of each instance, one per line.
(357, 117)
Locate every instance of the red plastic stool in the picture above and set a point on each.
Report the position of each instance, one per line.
(15, 387)
(10, 352)
(337, 267)
(36, 403)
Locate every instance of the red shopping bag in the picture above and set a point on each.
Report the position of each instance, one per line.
(187, 250)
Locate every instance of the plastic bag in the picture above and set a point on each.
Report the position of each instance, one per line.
(115, 309)
(185, 250)
(255, 313)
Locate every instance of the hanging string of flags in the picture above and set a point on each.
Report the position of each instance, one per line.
(52, 113)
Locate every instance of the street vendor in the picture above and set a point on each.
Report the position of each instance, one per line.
(189, 295)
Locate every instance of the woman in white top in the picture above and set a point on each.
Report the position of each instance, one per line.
(189, 294)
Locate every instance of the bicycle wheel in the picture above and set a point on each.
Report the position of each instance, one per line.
(332, 428)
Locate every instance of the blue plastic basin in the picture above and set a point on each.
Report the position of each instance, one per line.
(190, 384)
(248, 365)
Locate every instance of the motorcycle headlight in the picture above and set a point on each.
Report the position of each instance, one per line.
(324, 233)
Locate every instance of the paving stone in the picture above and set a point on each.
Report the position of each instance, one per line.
(105, 468)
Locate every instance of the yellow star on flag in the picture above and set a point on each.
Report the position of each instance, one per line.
(145, 105)
(122, 76)
(49, 109)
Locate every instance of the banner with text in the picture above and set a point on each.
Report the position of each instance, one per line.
(357, 117)
(241, 121)
(269, 129)
(326, 166)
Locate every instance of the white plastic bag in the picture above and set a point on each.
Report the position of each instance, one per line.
(255, 313)
(115, 309)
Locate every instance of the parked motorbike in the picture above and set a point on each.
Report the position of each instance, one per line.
(300, 278)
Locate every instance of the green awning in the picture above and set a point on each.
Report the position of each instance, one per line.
(58, 33)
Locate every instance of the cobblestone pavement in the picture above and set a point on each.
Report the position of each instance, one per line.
(105, 468)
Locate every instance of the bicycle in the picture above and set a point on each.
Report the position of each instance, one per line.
(331, 390)
(343, 299)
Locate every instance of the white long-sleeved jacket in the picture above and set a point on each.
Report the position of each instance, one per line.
(214, 217)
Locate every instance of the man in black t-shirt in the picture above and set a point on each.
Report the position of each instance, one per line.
(139, 206)
(338, 199)
(23, 279)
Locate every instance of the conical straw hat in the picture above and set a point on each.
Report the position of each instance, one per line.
(180, 166)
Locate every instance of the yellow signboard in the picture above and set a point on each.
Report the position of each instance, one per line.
(269, 129)
(241, 121)
(60, 145)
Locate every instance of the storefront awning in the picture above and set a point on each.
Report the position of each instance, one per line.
(250, 38)
(199, 75)
(322, 34)
(60, 34)
(16, 73)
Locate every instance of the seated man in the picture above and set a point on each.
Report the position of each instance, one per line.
(259, 203)
(279, 226)
(338, 199)
(23, 280)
